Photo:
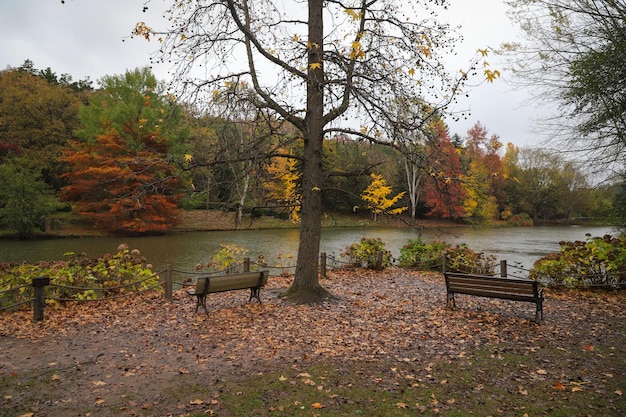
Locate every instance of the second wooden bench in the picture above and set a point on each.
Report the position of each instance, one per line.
(230, 282)
(514, 289)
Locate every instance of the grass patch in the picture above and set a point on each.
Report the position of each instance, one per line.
(25, 393)
(494, 380)
(491, 381)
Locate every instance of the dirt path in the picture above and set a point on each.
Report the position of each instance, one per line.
(139, 354)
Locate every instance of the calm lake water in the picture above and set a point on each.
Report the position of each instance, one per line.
(519, 246)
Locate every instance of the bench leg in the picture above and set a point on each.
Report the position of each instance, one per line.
(539, 313)
(255, 293)
(450, 300)
(201, 302)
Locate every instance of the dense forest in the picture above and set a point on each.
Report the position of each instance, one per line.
(127, 157)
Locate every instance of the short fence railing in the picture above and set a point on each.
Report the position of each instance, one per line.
(171, 279)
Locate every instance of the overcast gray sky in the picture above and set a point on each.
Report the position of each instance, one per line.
(90, 38)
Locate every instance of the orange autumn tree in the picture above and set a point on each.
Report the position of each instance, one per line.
(444, 193)
(120, 172)
(121, 189)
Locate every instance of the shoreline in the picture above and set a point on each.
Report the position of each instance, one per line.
(217, 220)
(71, 227)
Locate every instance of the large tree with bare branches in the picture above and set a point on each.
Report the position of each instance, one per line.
(323, 66)
(573, 58)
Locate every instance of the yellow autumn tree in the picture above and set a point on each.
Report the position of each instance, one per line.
(284, 189)
(376, 197)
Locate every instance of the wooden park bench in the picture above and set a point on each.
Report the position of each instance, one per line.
(230, 282)
(514, 289)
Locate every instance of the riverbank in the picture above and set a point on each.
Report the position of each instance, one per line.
(215, 220)
(386, 347)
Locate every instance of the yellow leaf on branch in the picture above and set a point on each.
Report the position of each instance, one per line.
(490, 75)
(353, 14)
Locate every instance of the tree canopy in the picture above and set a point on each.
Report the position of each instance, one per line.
(327, 68)
(574, 58)
(122, 176)
(39, 117)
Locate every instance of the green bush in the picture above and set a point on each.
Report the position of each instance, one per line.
(460, 258)
(228, 257)
(522, 219)
(25, 198)
(597, 261)
(196, 201)
(365, 253)
(463, 259)
(417, 254)
(78, 277)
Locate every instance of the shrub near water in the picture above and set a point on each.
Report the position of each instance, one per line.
(463, 259)
(522, 219)
(78, 277)
(417, 254)
(228, 257)
(597, 261)
(365, 253)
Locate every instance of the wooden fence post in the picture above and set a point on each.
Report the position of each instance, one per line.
(379, 261)
(323, 264)
(39, 301)
(246, 264)
(169, 282)
(503, 271)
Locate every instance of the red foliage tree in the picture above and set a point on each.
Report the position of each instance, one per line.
(444, 192)
(9, 149)
(124, 187)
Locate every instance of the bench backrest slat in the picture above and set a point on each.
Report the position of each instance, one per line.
(505, 287)
(220, 283)
(512, 288)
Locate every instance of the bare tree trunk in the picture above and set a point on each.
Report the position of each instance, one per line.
(413, 179)
(306, 287)
(242, 200)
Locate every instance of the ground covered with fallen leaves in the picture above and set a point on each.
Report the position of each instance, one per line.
(387, 333)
